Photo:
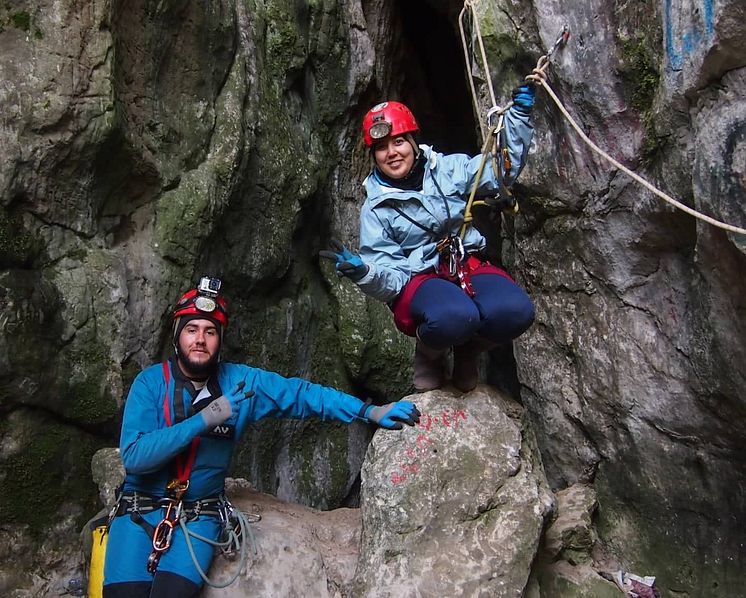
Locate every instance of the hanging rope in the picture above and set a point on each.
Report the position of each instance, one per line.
(538, 76)
(635, 176)
(235, 542)
(469, 4)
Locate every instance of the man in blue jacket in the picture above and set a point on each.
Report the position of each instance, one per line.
(182, 420)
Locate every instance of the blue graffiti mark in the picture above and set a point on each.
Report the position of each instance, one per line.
(692, 38)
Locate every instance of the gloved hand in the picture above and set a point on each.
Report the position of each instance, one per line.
(220, 410)
(349, 264)
(392, 415)
(523, 98)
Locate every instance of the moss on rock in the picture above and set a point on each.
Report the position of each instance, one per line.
(49, 465)
(18, 247)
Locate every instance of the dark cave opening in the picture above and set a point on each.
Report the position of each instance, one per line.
(433, 78)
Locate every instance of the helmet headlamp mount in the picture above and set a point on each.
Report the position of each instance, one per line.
(207, 293)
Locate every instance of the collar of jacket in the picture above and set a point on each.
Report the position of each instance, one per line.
(378, 192)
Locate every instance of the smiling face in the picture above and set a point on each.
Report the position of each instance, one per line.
(394, 156)
(199, 347)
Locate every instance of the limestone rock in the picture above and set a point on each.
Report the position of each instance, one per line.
(300, 551)
(454, 506)
(571, 535)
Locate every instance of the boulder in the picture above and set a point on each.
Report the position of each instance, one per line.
(454, 506)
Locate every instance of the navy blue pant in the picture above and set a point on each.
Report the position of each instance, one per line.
(500, 311)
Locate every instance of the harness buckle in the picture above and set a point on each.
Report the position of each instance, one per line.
(176, 488)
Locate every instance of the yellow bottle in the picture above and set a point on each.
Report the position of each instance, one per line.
(98, 556)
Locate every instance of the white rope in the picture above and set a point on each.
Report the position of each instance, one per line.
(539, 76)
(627, 171)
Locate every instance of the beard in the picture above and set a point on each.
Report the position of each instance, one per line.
(198, 369)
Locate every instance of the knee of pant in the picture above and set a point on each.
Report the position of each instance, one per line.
(510, 321)
(525, 313)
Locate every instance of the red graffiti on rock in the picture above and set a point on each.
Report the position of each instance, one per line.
(424, 446)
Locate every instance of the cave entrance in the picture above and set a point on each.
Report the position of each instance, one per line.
(433, 76)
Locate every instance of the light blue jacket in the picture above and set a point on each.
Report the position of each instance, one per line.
(393, 248)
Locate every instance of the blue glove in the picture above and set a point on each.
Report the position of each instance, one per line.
(523, 98)
(392, 416)
(220, 410)
(349, 264)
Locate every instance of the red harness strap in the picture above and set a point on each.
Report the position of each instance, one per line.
(163, 532)
(184, 461)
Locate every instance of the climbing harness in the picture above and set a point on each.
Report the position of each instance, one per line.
(175, 489)
(538, 77)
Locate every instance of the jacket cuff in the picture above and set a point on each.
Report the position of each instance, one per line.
(368, 275)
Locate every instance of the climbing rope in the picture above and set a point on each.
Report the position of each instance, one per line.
(469, 4)
(235, 541)
(538, 76)
(635, 176)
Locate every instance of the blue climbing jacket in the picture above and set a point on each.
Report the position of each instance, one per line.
(393, 247)
(148, 446)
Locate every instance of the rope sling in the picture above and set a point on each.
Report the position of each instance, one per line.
(538, 77)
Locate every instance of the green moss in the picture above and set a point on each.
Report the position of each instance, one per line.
(304, 448)
(88, 399)
(641, 78)
(17, 246)
(51, 468)
(640, 73)
(21, 20)
(258, 452)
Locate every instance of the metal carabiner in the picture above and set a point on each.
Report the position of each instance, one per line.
(500, 113)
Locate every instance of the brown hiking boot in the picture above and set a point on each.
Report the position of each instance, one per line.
(428, 367)
(466, 363)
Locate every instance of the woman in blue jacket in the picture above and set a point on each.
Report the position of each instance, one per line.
(439, 286)
(182, 420)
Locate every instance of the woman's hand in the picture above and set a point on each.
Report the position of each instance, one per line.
(348, 264)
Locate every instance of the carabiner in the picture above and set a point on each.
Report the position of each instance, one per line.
(162, 535)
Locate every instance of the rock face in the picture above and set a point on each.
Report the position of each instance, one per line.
(143, 144)
(454, 506)
(300, 551)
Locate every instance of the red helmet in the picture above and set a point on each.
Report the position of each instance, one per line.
(388, 119)
(196, 303)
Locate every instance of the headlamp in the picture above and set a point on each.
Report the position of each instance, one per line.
(207, 293)
(380, 129)
(206, 304)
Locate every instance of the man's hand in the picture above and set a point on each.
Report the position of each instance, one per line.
(220, 410)
(392, 416)
(348, 264)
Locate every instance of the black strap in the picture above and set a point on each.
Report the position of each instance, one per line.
(419, 225)
(363, 409)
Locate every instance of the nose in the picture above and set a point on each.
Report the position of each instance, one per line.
(391, 148)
